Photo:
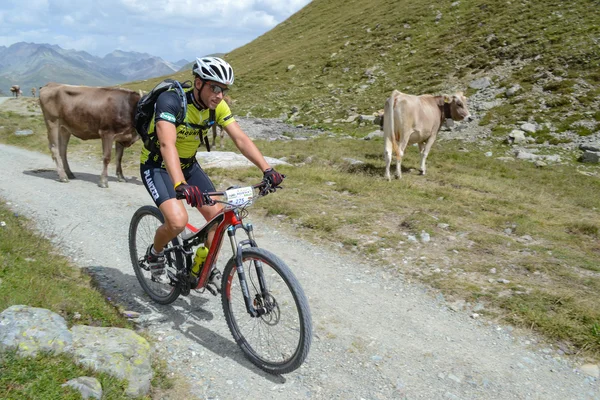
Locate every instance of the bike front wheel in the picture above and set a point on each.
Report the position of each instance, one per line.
(142, 228)
(279, 340)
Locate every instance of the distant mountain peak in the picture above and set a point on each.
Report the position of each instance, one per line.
(35, 64)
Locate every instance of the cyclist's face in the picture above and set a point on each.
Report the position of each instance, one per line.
(209, 94)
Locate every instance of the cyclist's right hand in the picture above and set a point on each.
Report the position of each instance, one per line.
(192, 195)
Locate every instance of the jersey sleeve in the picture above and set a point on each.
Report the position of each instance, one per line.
(223, 114)
(167, 107)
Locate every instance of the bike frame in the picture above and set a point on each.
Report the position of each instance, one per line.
(227, 221)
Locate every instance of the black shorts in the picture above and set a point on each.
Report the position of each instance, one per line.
(158, 182)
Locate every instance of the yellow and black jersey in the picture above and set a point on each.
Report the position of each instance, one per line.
(190, 133)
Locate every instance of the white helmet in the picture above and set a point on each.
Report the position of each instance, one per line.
(213, 69)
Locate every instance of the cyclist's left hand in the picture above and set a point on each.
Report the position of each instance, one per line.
(272, 177)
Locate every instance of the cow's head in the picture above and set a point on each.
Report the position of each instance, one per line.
(458, 107)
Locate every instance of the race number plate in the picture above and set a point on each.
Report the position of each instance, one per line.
(240, 196)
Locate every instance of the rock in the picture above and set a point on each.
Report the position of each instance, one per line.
(480, 83)
(516, 136)
(25, 132)
(116, 351)
(31, 330)
(87, 386)
(374, 134)
(528, 127)
(291, 67)
(590, 157)
(523, 155)
(590, 146)
(510, 92)
(229, 159)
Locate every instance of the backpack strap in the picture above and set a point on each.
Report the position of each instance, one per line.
(211, 124)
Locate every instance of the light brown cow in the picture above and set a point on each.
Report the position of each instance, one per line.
(417, 119)
(88, 113)
(227, 100)
(16, 90)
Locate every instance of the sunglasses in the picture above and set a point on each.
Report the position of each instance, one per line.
(216, 89)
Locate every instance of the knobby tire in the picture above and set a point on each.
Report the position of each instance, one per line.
(141, 235)
(268, 352)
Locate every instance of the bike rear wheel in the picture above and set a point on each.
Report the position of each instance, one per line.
(142, 228)
(278, 341)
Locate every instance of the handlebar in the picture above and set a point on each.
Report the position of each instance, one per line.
(264, 188)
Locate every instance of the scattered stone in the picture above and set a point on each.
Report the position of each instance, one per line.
(31, 330)
(510, 92)
(87, 386)
(131, 314)
(592, 157)
(528, 127)
(116, 351)
(374, 134)
(25, 132)
(480, 83)
(516, 136)
(504, 281)
(291, 67)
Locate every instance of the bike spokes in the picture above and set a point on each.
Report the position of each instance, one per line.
(278, 338)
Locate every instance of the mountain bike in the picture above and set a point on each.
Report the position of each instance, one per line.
(265, 307)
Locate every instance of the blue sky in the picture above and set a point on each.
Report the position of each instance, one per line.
(170, 29)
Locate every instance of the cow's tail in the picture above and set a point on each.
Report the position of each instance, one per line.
(388, 123)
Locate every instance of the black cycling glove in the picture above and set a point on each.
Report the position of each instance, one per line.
(192, 194)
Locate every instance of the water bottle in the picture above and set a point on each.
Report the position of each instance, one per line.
(199, 258)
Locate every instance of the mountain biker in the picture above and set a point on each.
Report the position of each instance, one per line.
(172, 167)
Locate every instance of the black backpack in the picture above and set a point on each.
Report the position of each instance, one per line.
(145, 110)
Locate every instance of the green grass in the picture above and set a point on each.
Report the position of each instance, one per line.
(33, 274)
(41, 377)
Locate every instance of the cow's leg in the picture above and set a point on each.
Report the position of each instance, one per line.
(119, 148)
(221, 136)
(53, 146)
(64, 136)
(387, 154)
(107, 141)
(402, 144)
(424, 148)
(214, 132)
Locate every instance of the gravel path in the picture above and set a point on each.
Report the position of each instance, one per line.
(376, 337)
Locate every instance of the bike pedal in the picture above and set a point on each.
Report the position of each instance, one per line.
(212, 289)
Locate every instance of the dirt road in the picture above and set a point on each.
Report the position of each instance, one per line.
(376, 337)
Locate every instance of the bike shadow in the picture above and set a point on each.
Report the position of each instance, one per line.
(186, 314)
(50, 173)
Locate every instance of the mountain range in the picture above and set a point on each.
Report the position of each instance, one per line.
(33, 65)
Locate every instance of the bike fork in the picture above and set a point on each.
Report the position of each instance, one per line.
(237, 249)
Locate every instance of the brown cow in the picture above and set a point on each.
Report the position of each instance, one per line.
(221, 132)
(88, 113)
(417, 119)
(16, 90)
(33, 91)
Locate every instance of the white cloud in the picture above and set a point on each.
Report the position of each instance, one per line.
(171, 29)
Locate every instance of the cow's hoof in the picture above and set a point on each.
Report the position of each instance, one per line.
(103, 184)
(121, 178)
(71, 176)
(63, 180)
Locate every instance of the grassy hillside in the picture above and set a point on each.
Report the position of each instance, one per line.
(348, 53)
